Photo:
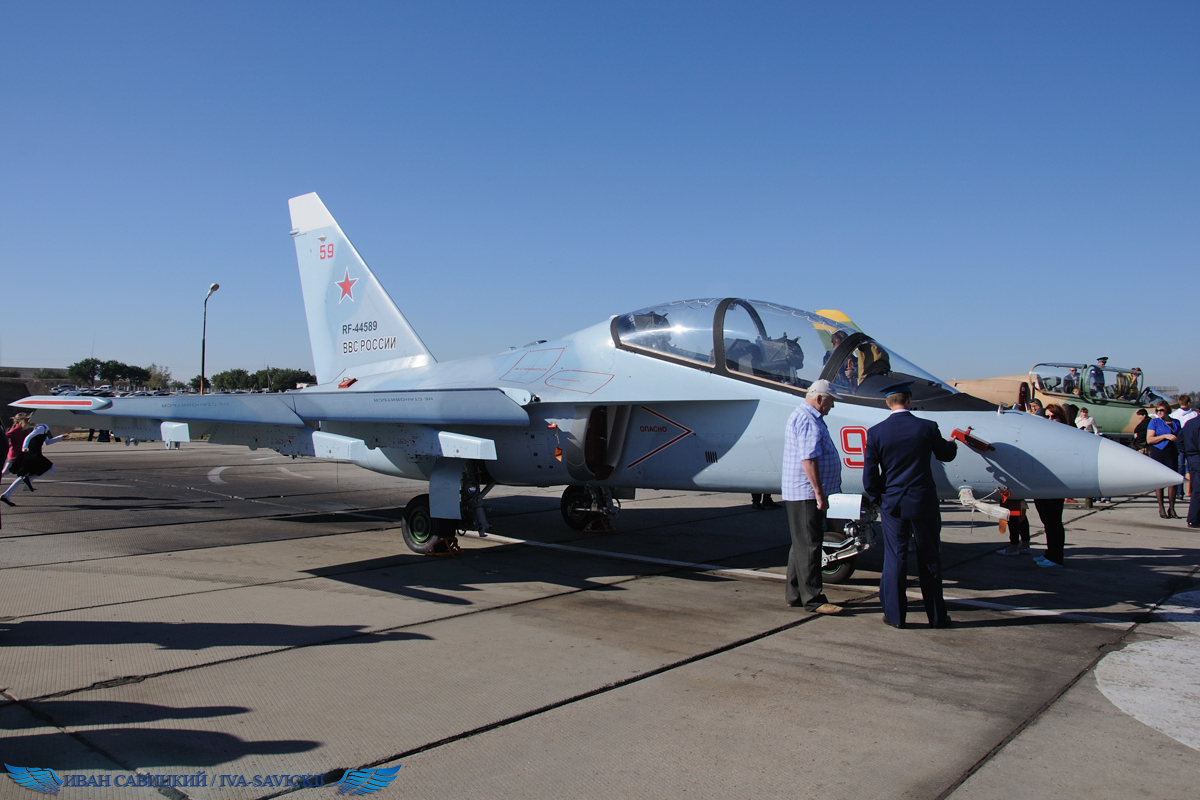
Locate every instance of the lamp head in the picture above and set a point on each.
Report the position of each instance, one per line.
(212, 289)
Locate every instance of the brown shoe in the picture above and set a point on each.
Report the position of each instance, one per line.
(827, 608)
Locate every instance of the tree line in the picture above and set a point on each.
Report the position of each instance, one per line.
(273, 379)
(116, 373)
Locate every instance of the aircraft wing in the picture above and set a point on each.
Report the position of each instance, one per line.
(437, 407)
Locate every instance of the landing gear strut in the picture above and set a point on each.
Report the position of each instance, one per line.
(589, 508)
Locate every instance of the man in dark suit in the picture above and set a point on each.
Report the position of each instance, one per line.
(898, 476)
(1190, 447)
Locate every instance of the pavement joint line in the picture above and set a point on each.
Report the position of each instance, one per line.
(281, 516)
(86, 483)
(128, 679)
(580, 697)
(187, 522)
(697, 565)
(1172, 587)
(174, 549)
(366, 516)
(713, 568)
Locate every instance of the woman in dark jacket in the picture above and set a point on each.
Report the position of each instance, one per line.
(1139, 433)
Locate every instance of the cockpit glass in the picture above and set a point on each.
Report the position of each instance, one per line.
(682, 329)
(775, 342)
(870, 368)
(1111, 383)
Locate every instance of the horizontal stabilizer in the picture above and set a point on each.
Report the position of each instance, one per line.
(271, 409)
(436, 407)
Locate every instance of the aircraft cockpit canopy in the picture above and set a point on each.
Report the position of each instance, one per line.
(768, 343)
(1091, 381)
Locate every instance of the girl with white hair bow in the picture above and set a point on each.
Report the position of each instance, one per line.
(31, 462)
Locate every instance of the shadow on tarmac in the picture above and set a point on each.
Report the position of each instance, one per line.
(152, 747)
(77, 713)
(188, 635)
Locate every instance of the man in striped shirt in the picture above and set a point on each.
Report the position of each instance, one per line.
(812, 470)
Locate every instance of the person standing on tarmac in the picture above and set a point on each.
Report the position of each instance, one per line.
(1191, 449)
(1085, 422)
(1162, 436)
(812, 470)
(898, 477)
(1050, 511)
(1139, 431)
(763, 502)
(1184, 414)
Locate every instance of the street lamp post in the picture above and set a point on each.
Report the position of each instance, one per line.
(204, 332)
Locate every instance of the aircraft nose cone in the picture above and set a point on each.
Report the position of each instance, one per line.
(1121, 471)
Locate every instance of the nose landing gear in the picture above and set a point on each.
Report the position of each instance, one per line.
(589, 508)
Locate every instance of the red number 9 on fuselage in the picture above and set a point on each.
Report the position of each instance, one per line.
(854, 445)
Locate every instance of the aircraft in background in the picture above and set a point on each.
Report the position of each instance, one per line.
(686, 395)
(1114, 408)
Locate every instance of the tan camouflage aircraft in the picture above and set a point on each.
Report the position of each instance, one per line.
(1112, 395)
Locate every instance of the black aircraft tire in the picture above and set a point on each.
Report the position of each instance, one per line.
(838, 571)
(421, 531)
(576, 508)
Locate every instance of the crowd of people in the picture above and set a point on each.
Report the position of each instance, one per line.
(898, 478)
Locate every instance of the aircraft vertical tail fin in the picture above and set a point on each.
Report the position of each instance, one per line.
(353, 325)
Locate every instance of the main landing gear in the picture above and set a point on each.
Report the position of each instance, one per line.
(432, 536)
(589, 508)
(426, 534)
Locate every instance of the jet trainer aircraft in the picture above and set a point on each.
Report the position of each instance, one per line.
(690, 395)
(1113, 404)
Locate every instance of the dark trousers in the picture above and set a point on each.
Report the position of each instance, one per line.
(1051, 512)
(925, 533)
(1018, 529)
(807, 526)
(1193, 517)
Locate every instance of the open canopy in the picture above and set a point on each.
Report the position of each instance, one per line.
(1122, 384)
(773, 344)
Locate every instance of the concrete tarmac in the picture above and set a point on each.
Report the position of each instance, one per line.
(244, 614)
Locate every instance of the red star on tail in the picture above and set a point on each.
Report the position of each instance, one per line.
(346, 284)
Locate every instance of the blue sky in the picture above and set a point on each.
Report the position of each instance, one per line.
(981, 186)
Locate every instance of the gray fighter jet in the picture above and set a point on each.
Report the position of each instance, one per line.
(690, 395)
